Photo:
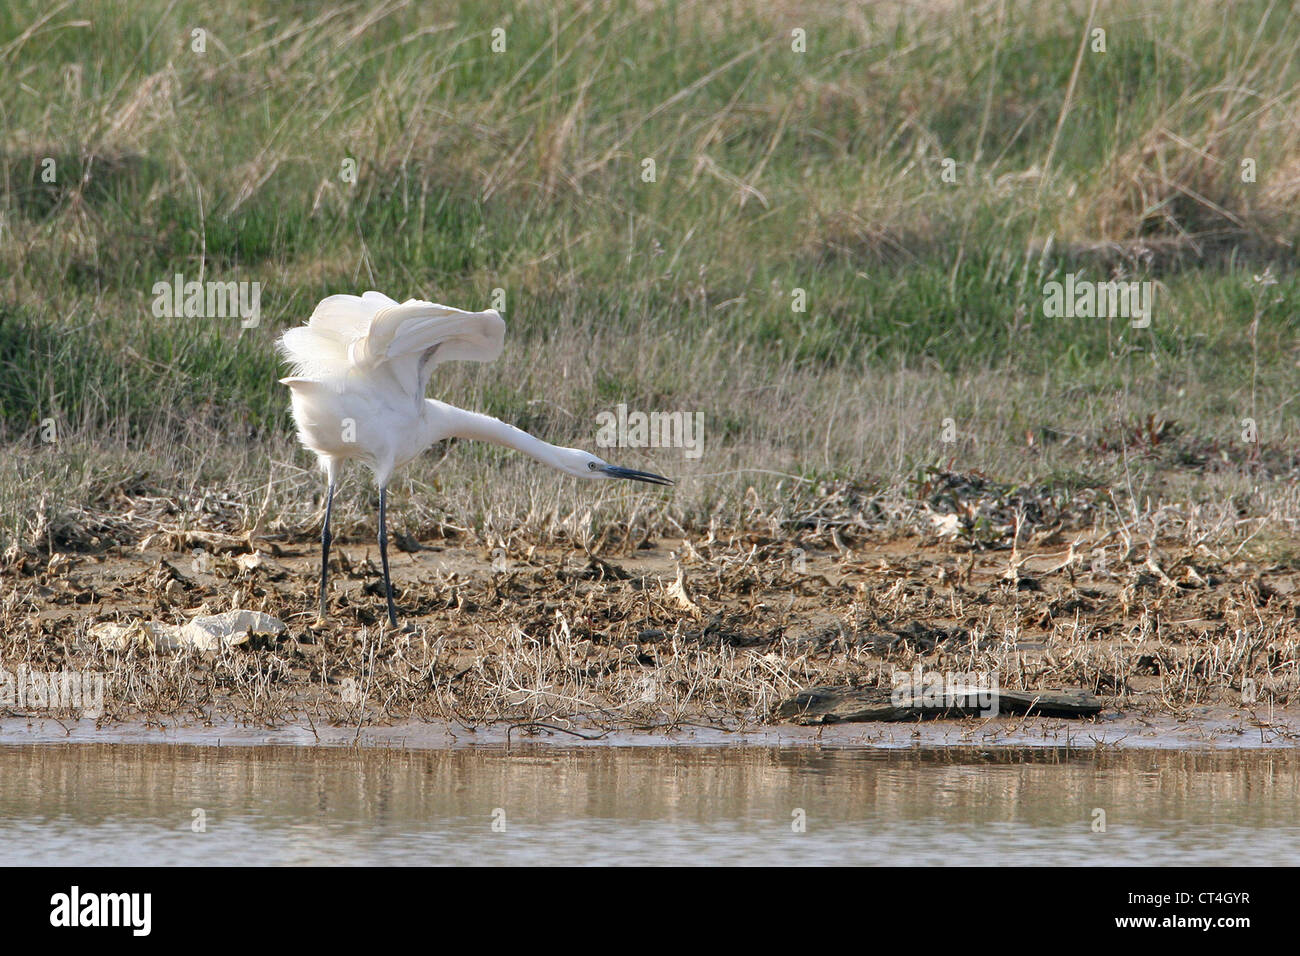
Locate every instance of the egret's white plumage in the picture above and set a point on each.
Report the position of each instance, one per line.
(361, 366)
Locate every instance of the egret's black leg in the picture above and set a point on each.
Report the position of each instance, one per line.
(325, 548)
(383, 554)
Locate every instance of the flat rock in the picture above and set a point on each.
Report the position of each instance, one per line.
(844, 704)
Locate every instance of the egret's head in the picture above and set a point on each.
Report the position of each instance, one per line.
(586, 465)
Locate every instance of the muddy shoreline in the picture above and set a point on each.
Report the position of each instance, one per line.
(1210, 730)
(662, 639)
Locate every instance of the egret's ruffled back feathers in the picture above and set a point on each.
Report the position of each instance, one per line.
(373, 333)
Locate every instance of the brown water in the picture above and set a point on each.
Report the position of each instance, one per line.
(136, 804)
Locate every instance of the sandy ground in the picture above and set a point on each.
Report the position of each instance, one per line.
(666, 638)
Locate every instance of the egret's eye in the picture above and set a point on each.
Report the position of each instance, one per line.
(591, 466)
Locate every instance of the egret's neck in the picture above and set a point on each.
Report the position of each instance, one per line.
(448, 421)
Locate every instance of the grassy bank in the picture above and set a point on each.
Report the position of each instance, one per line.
(923, 342)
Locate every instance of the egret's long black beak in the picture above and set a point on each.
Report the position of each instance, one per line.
(615, 472)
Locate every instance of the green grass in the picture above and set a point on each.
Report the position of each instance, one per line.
(776, 171)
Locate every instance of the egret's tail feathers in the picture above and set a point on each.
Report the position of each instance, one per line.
(364, 332)
(313, 353)
(308, 386)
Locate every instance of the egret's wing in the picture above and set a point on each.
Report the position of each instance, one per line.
(348, 316)
(415, 336)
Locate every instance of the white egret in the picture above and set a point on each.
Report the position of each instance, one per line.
(361, 366)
